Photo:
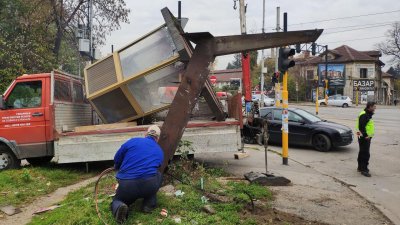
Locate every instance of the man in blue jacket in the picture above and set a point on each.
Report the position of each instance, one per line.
(137, 163)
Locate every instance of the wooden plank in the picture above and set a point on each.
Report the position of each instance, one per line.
(241, 155)
(105, 126)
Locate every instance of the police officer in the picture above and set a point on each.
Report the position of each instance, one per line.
(137, 163)
(366, 130)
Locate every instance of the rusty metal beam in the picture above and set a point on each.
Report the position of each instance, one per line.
(186, 98)
(225, 45)
(196, 74)
(185, 50)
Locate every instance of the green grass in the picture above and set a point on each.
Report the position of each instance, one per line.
(22, 186)
(79, 207)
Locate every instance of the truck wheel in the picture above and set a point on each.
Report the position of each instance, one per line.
(8, 159)
(39, 161)
(321, 142)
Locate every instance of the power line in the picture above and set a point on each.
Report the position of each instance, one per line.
(358, 39)
(342, 18)
(354, 29)
(359, 25)
(347, 17)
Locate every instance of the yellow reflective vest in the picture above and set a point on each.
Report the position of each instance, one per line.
(369, 128)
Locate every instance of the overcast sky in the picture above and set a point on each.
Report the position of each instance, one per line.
(219, 18)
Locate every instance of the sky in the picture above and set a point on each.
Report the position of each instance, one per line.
(219, 18)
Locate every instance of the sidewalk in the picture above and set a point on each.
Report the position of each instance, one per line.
(312, 195)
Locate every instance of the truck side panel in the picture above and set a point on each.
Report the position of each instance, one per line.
(68, 116)
(103, 146)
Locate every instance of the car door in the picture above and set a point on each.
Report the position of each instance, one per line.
(331, 100)
(299, 131)
(24, 119)
(275, 126)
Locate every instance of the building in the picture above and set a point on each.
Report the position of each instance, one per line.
(388, 91)
(225, 77)
(346, 71)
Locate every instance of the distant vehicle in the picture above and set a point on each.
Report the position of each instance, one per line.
(337, 100)
(223, 94)
(267, 100)
(305, 129)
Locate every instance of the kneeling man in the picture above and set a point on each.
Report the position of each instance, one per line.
(137, 163)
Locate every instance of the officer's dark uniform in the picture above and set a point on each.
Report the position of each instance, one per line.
(365, 125)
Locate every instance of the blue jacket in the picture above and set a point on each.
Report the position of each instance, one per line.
(138, 158)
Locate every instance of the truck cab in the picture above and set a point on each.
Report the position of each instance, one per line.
(28, 109)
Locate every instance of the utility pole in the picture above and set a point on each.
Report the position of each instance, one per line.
(90, 22)
(285, 106)
(326, 75)
(277, 85)
(262, 59)
(245, 58)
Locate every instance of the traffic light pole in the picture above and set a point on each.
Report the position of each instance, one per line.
(316, 98)
(326, 75)
(285, 105)
(285, 120)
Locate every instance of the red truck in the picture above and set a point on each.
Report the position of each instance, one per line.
(39, 113)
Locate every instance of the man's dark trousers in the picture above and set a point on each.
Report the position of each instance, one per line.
(130, 190)
(363, 154)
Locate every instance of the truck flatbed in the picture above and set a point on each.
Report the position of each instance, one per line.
(101, 145)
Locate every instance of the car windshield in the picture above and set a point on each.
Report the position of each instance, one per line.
(308, 116)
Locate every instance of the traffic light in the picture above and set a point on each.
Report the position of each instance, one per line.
(275, 78)
(313, 48)
(284, 63)
(298, 48)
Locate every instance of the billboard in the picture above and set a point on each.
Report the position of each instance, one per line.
(335, 74)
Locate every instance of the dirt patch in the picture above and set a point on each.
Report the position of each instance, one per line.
(265, 215)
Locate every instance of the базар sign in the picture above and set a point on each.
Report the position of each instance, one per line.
(364, 85)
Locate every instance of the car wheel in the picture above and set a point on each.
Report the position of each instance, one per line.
(345, 105)
(322, 103)
(8, 159)
(321, 142)
(39, 161)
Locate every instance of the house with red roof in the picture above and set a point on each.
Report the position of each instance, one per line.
(225, 77)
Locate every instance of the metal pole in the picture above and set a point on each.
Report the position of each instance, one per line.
(179, 10)
(91, 29)
(285, 106)
(285, 122)
(316, 98)
(356, 96)
(277, 86)
(262, 59)
(326, 75)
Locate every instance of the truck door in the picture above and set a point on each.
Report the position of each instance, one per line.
(23, 121)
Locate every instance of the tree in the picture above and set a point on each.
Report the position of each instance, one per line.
(68, 14)
(391, 46)
(395, 71)
(23, 39)
(236, 63)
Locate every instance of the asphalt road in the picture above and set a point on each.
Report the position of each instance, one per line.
(383, 188)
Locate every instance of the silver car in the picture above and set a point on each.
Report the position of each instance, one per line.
(337, 100)
(267, 100)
